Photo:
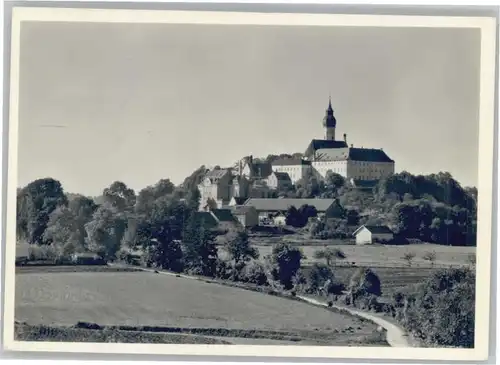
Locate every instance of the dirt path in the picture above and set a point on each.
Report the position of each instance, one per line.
(396, 336)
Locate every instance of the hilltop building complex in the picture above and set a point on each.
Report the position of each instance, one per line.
(256, 179)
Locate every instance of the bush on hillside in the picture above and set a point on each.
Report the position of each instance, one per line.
(299, 281)
(286, 263)
(364, 282)
(334, 287)
(440, 311)
(42, 253)
(317, 277)
(223, 269)
(255, 273)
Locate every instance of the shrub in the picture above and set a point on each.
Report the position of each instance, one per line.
(408, 257)
(441, 310)
(87, 259)
(334, 287)
(128, 257)
(317, 277)
(330, 255)
(430, 256)
(286, 261)
(42, 253)
(369, 302)
(255, 273)
(299, 281)
(364, 282)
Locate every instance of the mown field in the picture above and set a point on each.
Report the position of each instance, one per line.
(173, 304)
(387, 261)
(381, 255)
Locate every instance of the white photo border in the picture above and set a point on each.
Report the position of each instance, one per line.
(487, 27)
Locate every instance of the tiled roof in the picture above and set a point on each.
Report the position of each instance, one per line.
(353, 154)
(375, 229)
(241, 209)
(332, 154)
(216, 175)
(290, 162)
(317, 144)
(239, 201)
(223, 215)
(365, 184)
(378, 229)
(270, 205)
(261, 169)
(369, 155)
(282, 176)
(207, 218)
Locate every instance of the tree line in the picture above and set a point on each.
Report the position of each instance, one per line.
(432, 208)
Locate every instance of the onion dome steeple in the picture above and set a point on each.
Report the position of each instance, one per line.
(329, 119)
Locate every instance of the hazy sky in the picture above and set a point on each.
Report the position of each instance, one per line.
(137, 103)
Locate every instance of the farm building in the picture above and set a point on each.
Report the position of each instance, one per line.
(207, 219)
(225, 218)
(267, 207)
(237, 201)
(279, 219)
(279, 180)
(246, 215)
(372, 234)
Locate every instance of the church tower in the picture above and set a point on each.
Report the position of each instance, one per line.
(329, 122)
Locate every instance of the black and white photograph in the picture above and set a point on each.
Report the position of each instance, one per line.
(263, 184)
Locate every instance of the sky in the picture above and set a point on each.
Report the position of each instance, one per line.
(103, 102)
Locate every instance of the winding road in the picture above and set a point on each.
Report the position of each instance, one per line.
(396, 336)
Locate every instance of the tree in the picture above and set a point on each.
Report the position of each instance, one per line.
(352, 217)
(317, 277)
(212, 204)
(299, 217)
(333, 182)
(430, 256)
(329, 255)
(191, 182)
(309, 186)
(193, 199)
(64, 232)
(440, 311)
(199, 248)
(119, 196)
(364, 282)
(148, 196)
(105, 231)
(239, 248)
(82, 209)
(408, 257)
(159, 231)
(35, 202)
(292, 217)
(287, 262)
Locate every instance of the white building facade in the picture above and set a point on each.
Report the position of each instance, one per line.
(328, 154)
(366, 235)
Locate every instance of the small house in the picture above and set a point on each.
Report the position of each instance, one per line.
(279, 181)
(373, 234)
(279, 220)
(246, 215)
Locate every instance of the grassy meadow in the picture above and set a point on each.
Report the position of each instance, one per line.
(386, 260)
(376, 255)
(138, 299)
